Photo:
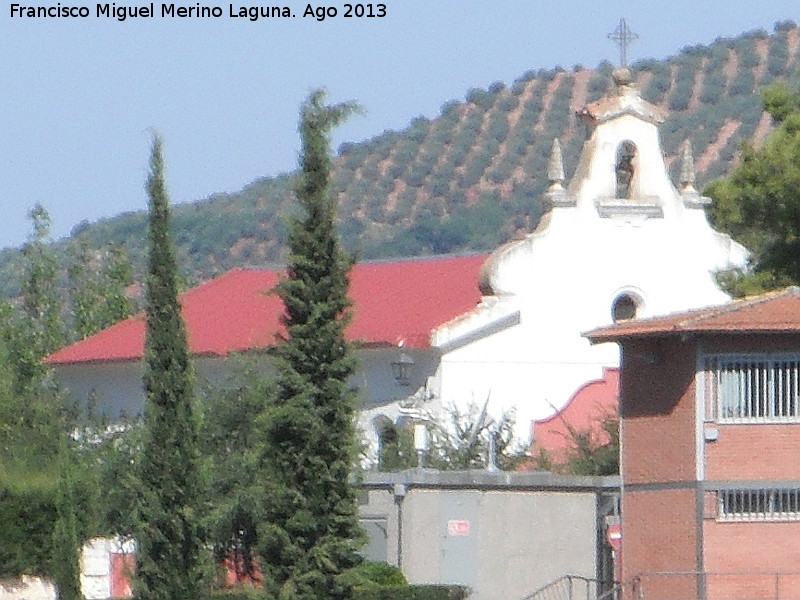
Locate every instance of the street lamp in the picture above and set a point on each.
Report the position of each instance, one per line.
(402, 367)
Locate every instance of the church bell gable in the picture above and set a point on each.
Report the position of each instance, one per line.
(621, 173)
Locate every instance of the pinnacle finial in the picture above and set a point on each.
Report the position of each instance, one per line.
(687, 174)
(555, 168)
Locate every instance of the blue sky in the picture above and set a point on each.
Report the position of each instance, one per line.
(81, 96)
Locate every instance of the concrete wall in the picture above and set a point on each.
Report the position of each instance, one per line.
(503, 534)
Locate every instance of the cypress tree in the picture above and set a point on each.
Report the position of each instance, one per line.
(311, 532)
(171, 553)
(66, 540)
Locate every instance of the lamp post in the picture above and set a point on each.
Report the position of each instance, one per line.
(402, 368)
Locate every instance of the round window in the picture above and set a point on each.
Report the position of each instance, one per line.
(624, 308)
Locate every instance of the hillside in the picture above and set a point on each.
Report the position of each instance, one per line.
(471, 178)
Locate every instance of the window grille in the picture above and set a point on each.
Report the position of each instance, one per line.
(759, 504)
(752, 388)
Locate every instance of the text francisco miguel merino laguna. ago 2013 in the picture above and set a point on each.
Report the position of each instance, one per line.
(123, 12)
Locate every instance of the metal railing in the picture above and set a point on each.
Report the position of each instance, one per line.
(576, 587)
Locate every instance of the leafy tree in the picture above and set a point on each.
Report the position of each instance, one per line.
(759, 203)
(592, 451)
(97, 285)
(230, 439)
(30, 419)
(593, 454)
(170, 561)
(459, 440)
(66, 540)
(37, 329)
(311, 531)
(112, 453)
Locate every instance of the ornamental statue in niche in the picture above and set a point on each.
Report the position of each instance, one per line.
(625, 167)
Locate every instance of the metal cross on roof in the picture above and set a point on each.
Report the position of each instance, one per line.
(623, 37)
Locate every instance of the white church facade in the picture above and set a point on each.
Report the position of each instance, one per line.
(618, 240)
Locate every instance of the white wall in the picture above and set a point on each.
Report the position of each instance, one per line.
(564, 278)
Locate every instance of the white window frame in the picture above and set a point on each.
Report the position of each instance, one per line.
(758, 504)
(752, 388)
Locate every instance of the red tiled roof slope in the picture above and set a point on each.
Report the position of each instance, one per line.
(393, 302)
(777, 311)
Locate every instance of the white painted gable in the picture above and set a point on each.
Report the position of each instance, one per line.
(522, 347)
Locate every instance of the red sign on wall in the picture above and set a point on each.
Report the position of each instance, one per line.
(614, 536)
(457, 528)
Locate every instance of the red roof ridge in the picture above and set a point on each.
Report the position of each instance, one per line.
(238, 311)
(699, 319)
(736, 305)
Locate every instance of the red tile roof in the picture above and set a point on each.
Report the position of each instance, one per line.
(393, 302)
(774, 312)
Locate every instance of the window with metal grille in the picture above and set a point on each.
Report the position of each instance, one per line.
(778, 504)
(742, 388)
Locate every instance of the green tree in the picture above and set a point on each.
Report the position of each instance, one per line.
(230, 440)
(311, 532)
(30, 419)
(458, 440)
(66, 539)
(37, 328)
(97, 288)
(171, 561)
(593, 450)
(759, 202)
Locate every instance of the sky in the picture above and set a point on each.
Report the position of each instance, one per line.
(82, 96)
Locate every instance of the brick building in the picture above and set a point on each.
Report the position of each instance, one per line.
(710, 436)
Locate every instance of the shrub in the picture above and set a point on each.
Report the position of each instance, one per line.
(28, 513)
(238, 593)
(507, 103)
(659, 84)
(418, 130)
(372, 574)
(778, 55)
(451, 110)
(681, 95)
(713, 86)
(413, 592)
(744, 83)
(480, 98)
(748, 57)
(496, 88)
(598, 86)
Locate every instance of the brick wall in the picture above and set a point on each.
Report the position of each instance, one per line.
(754, 452)
(753, 546)
(659, 518)
(658, 532)
(658, 451)
(657, 408)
